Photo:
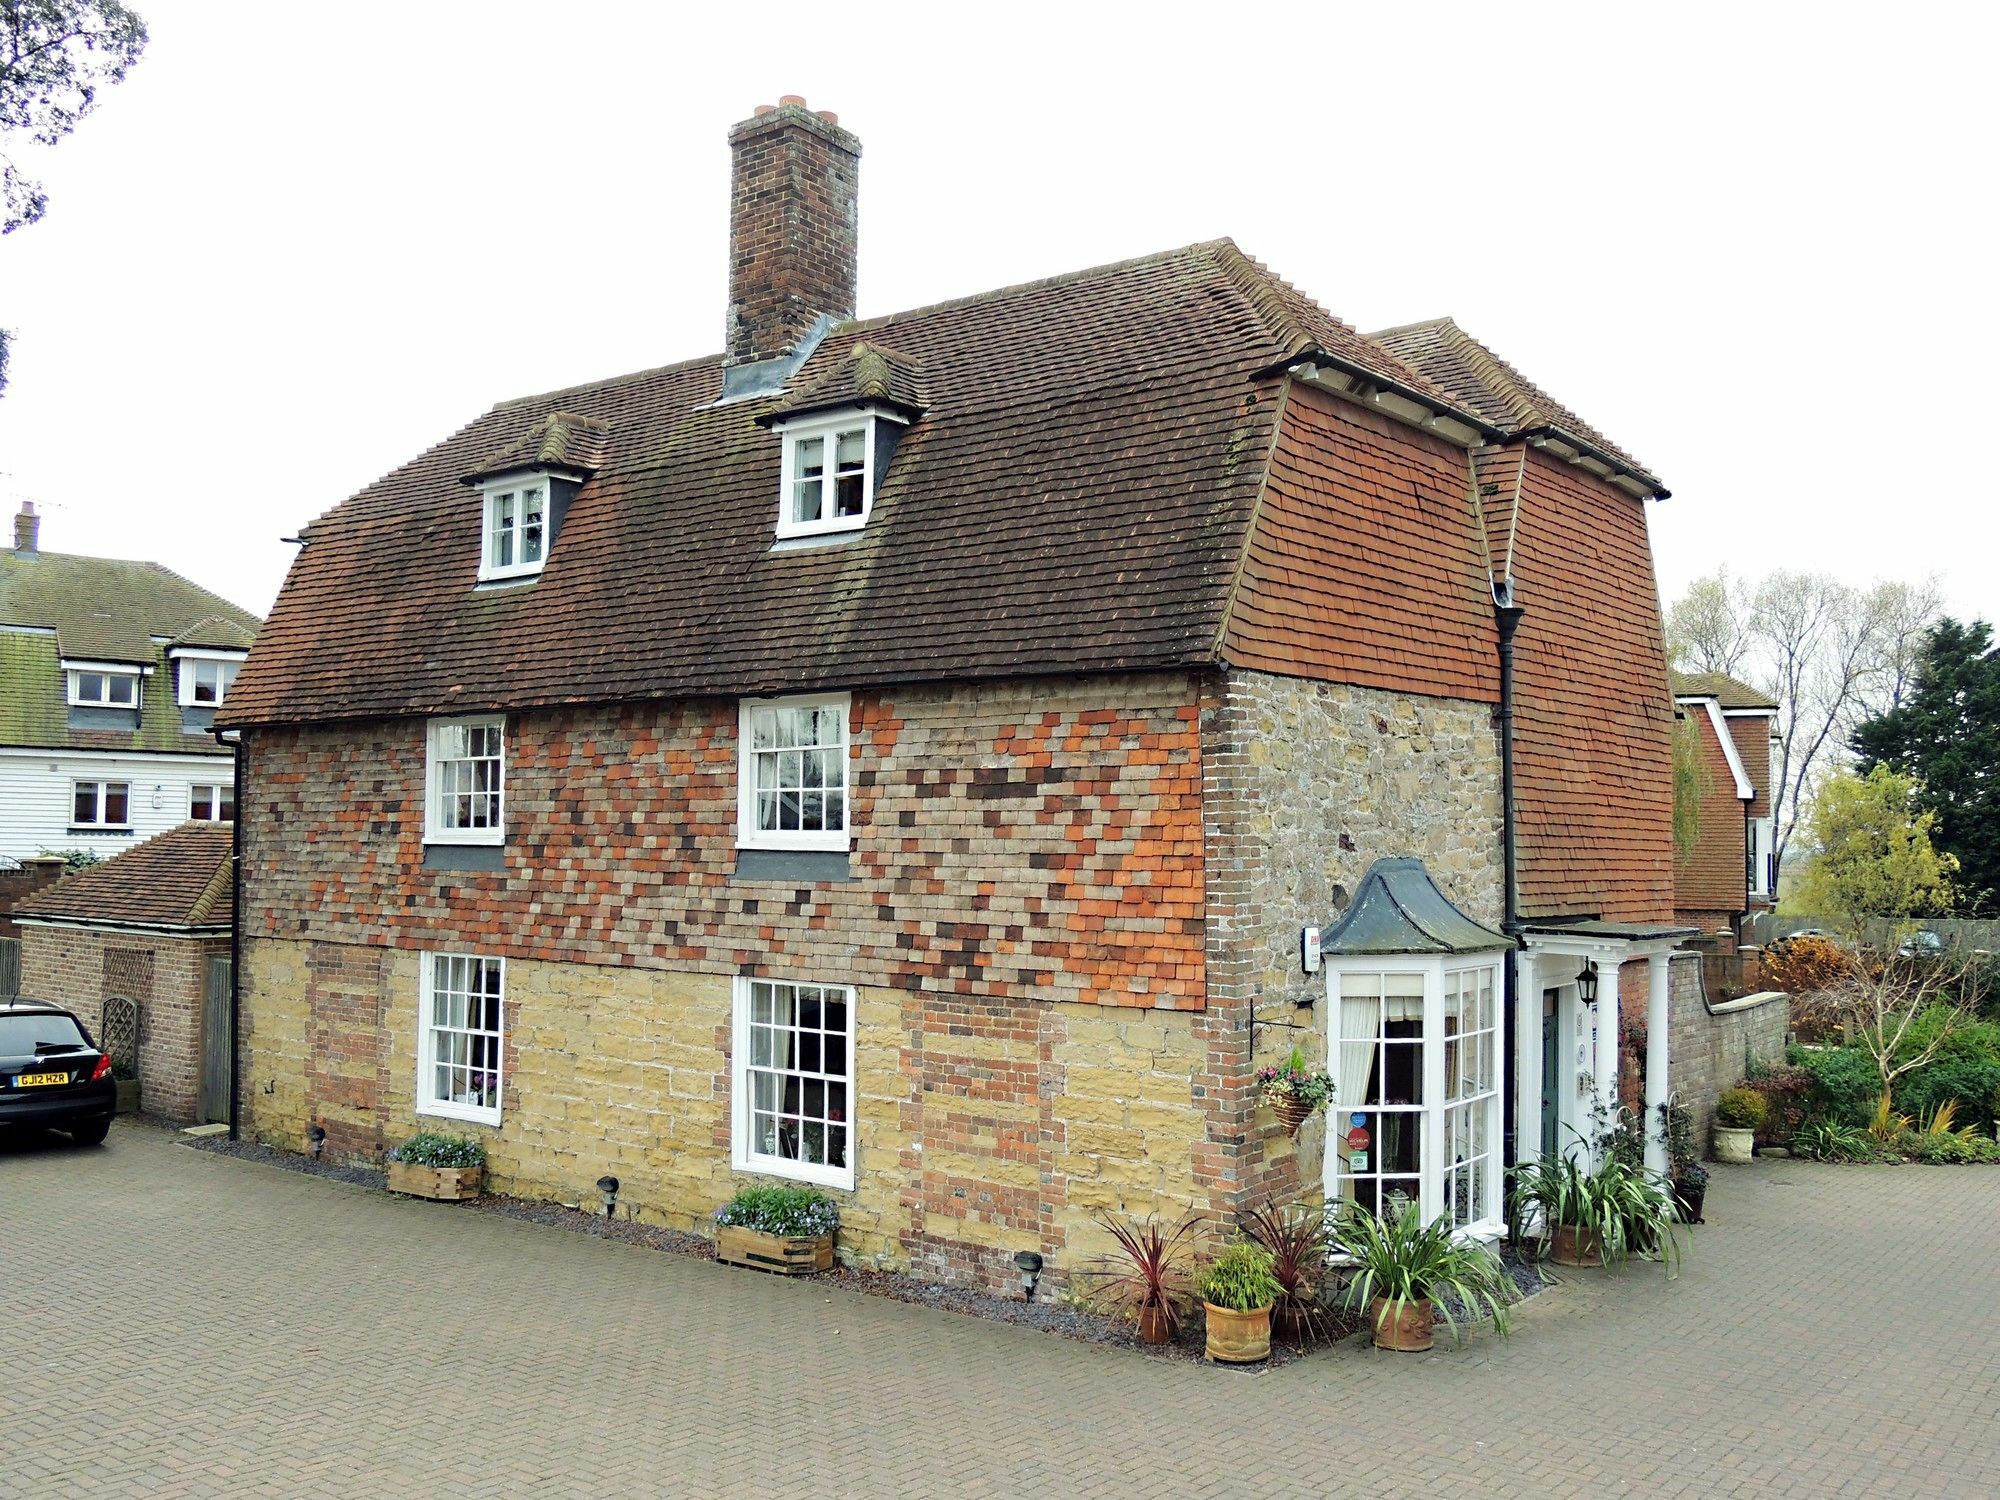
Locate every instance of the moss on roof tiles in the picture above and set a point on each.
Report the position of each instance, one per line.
(32, 710)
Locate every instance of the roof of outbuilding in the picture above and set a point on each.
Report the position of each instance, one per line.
(1398, 908)
(180, 878)
(1073, 498)
(1484, 383)
(1728, 691)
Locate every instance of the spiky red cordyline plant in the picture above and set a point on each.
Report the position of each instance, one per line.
(1297, 1241)
(1148, 1270)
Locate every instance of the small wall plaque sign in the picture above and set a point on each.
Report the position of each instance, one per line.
(1309, 949)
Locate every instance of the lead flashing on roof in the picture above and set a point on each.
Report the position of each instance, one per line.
(767, 377)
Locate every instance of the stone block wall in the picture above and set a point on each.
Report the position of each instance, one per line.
(80, 968)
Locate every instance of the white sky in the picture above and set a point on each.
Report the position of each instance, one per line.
(1753, 245)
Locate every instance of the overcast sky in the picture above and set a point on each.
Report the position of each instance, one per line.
(1753, 245)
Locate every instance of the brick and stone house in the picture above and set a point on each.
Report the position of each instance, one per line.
(907, 754)
(1732, 869)
(148, 926)
(110, 675)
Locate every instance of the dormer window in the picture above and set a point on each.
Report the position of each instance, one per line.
(205, 676)
(103, 686)
(515, 536)
(829, 475)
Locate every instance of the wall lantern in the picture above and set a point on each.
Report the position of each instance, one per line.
(316, 1138)
(1586, 983)
(1030, 1266)
(607, 1189)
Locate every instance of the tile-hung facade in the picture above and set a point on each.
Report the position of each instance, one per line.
(1732, 867)
(901, 755)
(111, 673)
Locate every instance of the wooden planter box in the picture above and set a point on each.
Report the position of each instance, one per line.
(737, 1246)
(446, 1184)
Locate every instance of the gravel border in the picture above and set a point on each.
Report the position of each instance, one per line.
(1057, 1317)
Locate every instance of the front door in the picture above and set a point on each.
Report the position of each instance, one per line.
(1551, 1051)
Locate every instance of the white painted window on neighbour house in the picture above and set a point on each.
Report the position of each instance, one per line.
(103, 687)
(212, 802)
(792, 773)
(461, 1037)
(1417, 1111)
(101, 804)
(793, 1089)
(514, 533)
(828, 480)
(465, 781)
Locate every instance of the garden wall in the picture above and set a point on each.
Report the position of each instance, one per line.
(1713, 1044)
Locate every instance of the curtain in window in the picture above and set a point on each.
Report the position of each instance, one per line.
(1360, 1025)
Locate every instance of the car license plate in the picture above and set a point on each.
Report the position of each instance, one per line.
(31, 1080)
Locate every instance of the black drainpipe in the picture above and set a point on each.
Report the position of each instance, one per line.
(1508, 615)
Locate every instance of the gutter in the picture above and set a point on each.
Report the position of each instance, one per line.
(236, 747)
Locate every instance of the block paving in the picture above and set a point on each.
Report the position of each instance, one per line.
(177, 1324)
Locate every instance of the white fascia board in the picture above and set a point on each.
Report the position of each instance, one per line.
(1744, 790)
(1750, 713)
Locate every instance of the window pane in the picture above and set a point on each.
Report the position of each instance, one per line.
(116, 796)
(201, 803)
(90, 687)
(228, 799)
(85, 810)
(124, 690)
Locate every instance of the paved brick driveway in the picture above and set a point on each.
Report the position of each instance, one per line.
(173, 1323)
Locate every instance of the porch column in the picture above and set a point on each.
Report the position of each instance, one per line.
(1659, 1035)
(1604, 1066)
(1527, 1059)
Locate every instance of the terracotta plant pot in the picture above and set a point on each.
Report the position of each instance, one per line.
(1153, 1325)
(1238, 1338)
(787, 1255)
(1406, 1328)
(1575, 1247)
(445, 1184)
(1734, 1145)
(1293, 1111)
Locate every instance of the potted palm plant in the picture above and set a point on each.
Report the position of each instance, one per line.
(1237, 1292)
(1297, 1092)
(1738, 1115)
(1297, 1240)
(1583, 1216)
(1147, 1278)
(1407, 1274)
(789, 1230)
(447, 1168)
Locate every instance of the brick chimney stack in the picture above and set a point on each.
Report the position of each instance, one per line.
(792, 192)
(27, 528)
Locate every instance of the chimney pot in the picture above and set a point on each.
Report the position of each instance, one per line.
(763, 110)
(792, 194)
(27, 528)
(829, 116)
(798, 99)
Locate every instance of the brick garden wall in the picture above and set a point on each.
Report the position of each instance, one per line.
(1710, 1051)
(80, 968)
(32, 875)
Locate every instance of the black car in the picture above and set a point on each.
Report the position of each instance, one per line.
(52, 1073)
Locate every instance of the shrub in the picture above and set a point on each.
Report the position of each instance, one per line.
(1943, 1149)
(1741, 1108)
(1807, 964)
(1405, 1261)
(1240, 1279)
(1824, 1140)
(1149, 1269)
(1297, 1241)
(430, 1149)
(795, 1212)
(1625, 1208)
(1845, 1083)
(1969, 1041)
(1966, 1082)
(1787, 1091)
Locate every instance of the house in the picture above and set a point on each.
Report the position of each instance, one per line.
(139, 947)
(110, 676)
(915, 755)
(1731, 871)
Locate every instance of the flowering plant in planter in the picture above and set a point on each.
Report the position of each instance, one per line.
(1294, 1090)
(784, 1229)
(431, 1165)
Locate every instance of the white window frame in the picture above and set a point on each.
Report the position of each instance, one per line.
(216, 790)
(1762, 834)
(101, 785)
(490, 493)
(748, 834)
(828, 425)
(427, 1103)
(436, 831)
(188, 658)
(1491, 1222)
(107, 670)
(742, 1158)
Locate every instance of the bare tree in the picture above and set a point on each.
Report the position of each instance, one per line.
(1877, 1004)
(1707, 627)
(1905, 613)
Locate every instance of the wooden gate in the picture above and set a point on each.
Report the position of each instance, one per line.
(10, 968)
(217, 1066)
